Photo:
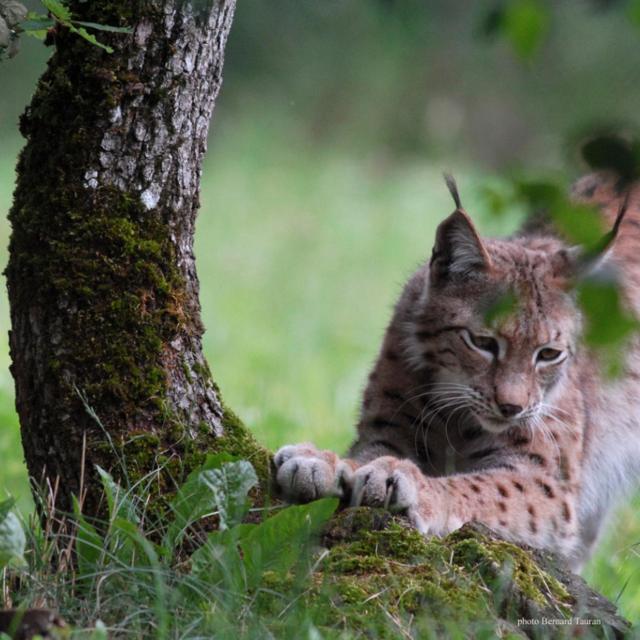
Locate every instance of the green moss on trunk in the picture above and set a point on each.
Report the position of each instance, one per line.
(98, 250)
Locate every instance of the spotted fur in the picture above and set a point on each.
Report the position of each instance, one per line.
(510, 423)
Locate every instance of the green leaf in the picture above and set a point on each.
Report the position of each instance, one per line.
(99, 632)
(12, 537)
(608, 324)
(236, 558)
(89, 37)
(57, 9)
(525, 24)
(580, 223)
(539, 194)
(38, 34)
(127, 545)
(505, 305)
(496, 198)
(103, 27)
(119, 501)
(219, 561)
(228, 488)
(5, 507)
(32, 15)
(193, 500)
(633, 12)
(37, 25)
(64, 16)
(148, 558)
(89, 543)
(281, 541)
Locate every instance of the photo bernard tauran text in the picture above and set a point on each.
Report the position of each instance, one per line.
(574, 621)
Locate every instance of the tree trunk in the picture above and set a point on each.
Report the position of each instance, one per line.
(106, 331)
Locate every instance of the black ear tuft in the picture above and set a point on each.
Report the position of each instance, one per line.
(575, 264)
(620, 217)
(453, 189)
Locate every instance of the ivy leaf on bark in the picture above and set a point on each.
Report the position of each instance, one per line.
(63, 15)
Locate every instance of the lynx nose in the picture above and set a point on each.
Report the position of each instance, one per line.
(510, 410)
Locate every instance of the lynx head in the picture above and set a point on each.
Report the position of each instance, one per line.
(507, 370)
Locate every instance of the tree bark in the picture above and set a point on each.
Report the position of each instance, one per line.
(106, 332)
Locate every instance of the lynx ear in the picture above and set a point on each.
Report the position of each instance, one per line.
(458, 251)
(575, 264)
(572, 265)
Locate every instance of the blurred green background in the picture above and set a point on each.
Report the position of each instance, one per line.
(322, 188)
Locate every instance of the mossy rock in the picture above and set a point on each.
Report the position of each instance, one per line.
(381, 578)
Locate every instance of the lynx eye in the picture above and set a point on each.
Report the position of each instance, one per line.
(487, 344)
(547, 354)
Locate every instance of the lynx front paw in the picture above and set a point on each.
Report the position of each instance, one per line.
(305, 474)
(385, 482)
(396, 485)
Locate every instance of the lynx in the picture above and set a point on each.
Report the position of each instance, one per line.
(511, 423)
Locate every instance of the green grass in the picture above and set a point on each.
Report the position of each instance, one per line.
(267, 578)
(301, 253)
